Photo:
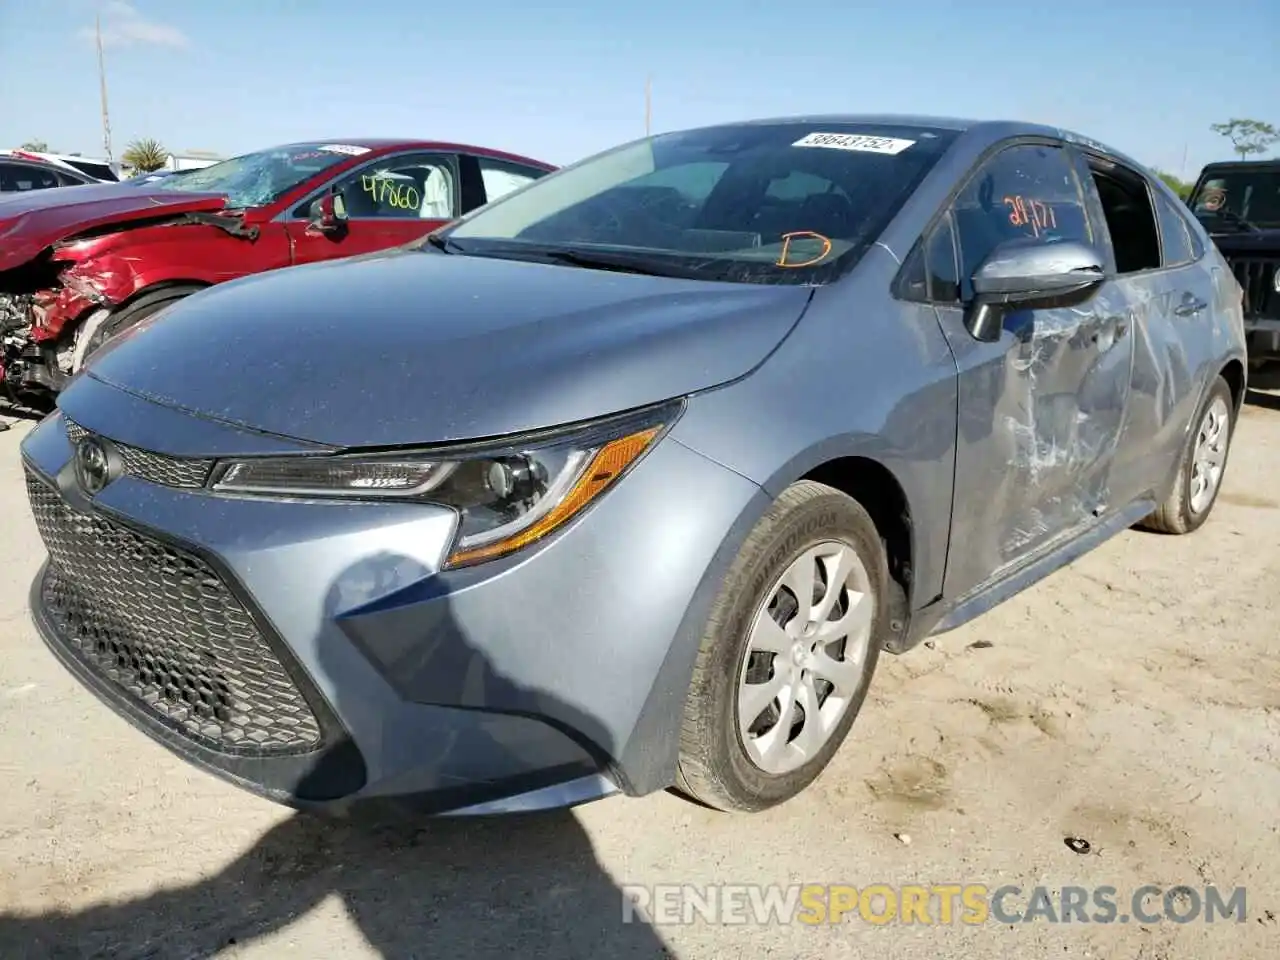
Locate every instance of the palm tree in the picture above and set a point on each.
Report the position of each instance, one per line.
(145, 155)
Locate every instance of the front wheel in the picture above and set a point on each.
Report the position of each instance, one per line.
(791, 645)
(1202, 465)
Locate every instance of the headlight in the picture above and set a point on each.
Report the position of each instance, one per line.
(508, 494)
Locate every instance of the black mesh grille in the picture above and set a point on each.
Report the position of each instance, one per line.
(163, 627)
(1256, 275)
(153, 467)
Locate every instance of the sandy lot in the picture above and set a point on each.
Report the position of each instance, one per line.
(1132, 700)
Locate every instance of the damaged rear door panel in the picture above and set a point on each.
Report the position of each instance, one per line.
(1169, 292)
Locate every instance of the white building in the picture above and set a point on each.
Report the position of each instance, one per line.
(191, 160)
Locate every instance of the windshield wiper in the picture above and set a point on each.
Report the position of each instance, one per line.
(443, 244)
(619, 263)
(590, 259)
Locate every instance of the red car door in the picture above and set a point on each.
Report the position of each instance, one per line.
(389, 201)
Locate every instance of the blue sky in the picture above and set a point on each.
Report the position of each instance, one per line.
(561, 79)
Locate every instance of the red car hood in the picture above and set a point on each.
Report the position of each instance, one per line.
(29, 222)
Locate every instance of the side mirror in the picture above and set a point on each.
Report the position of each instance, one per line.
(1028, 274)
(328, 214)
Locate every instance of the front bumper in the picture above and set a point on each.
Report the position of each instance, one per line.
(1262, 338)
(315, 654)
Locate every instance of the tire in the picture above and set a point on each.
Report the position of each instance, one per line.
(133, 313)
(716, 767)
(1180, 513)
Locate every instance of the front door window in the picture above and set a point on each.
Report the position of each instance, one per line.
(413, 187)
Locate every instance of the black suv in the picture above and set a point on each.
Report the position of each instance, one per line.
(1239, 204)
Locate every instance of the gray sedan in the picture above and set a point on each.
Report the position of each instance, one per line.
(626, 480)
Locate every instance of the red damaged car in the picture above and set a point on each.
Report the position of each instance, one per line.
(81, 264)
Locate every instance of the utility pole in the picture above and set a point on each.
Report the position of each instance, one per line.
(102, 83)
(648, 104)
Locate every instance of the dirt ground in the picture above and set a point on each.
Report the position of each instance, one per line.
(1132, 700)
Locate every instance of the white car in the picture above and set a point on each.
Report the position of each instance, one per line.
(97, 170)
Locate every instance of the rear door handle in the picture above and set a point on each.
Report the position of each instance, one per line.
(1190, 306)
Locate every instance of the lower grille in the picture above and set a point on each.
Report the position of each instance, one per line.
(153, 467)
(162, 627)
(1256, 276)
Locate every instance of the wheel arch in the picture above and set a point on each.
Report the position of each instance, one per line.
(1234, 373)
(863, 469)
(642, 768)
(877, 489)
(158, 290)
(82, 333)
(161, 290)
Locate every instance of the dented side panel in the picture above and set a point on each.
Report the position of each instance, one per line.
(1041, 413)
(1173, 350)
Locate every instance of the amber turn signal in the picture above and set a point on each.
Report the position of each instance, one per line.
(605, 466)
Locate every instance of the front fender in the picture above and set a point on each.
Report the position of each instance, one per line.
(92, 289)
(862, 376)
(95, 283)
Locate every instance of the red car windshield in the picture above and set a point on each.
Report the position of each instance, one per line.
(258, 179)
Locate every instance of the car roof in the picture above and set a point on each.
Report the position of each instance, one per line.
(871, 119)
(992, 131)
(387, 144)
(29, 161)
(1273, 162)
(62, 163)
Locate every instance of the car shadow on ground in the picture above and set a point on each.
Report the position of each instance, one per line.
(10, 414)
(522, 886)
(479, 887)
(1256, 398)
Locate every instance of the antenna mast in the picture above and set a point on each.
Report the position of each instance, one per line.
(648, 104)
(102, 83)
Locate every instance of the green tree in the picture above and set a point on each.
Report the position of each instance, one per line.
(1180, 187)
(145, 155)
(36, 146)
(1247, 136)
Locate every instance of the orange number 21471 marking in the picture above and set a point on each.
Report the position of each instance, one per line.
(1030, 213)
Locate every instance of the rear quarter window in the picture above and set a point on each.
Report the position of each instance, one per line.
(1177, 243)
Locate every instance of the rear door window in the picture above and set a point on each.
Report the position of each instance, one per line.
(501, 177)
(99, 171)
(1176, 245)
(20, 177)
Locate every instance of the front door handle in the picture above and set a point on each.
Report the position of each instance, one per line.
(1119, 325)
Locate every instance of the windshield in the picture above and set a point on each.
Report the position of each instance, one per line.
(1238, 199)
(257, 179)
(99, 170)
(784, 202)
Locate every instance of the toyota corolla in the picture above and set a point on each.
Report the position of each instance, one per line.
(648, 462)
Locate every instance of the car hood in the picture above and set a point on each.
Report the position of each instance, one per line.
(33, 220)
(408, 346)
(1266, 240)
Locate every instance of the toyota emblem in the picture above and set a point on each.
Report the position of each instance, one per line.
(94, 467)
(1275, 280)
